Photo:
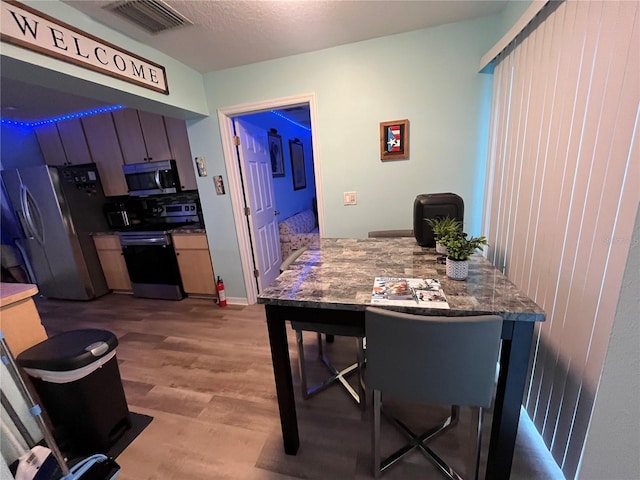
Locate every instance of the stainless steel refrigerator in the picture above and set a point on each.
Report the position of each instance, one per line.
(58, 208)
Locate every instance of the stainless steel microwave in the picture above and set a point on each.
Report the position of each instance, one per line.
(152, 178)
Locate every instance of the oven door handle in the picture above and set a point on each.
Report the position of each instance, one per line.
(157, 179)
(162, 242)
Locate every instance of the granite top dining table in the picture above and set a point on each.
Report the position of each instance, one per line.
(332, 281)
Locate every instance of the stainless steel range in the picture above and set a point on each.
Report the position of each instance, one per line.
(150, 255)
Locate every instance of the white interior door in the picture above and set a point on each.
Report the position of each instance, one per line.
(255, 163)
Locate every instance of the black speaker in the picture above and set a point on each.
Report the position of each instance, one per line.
(434, 205)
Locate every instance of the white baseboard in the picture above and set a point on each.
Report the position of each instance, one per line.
(237, 301)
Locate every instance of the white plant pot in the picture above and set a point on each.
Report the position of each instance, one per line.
(457, 269)
(441, 249)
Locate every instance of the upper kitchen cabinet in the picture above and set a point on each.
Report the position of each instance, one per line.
(102, 140)
(142, 136)
(50, 144)
(181, 152)
(63, 143)
(155, 136)
(74, 142)
(112, 139)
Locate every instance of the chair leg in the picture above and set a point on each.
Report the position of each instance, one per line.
(479, 443)
(303, 374)
(336, 376)
(320, 346)
(375, 435)
(361, 381)
(418, 441)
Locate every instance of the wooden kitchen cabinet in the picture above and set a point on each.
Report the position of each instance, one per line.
(194, 261)
(19, 319)
(112, 139)
(130, 135)
(74, 142)
(102, 140)
(181, 152)
(112, 261)
(155, 136)
(142, 136)
(50, 144)
(63, 143)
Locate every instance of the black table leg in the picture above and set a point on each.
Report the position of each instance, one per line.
(514, 362)
(284, 382)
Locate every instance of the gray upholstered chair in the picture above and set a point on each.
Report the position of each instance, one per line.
(337, 376)
(390, 233)
(432, 360)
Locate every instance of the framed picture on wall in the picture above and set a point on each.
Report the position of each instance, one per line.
(275, 150)
(297, 164)
(394, 140)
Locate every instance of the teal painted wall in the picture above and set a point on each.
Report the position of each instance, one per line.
(186, 91)
(512, 12)
(428, 76)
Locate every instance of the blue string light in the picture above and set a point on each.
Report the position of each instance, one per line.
(86, 113)
(290, 120)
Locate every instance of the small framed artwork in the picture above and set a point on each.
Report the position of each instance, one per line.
(275, 150)
(394, 140)
(297, 164)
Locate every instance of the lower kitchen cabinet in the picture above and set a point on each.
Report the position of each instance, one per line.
(112, 261)
(19, 319)
(194, 261)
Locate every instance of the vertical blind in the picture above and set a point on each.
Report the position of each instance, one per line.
(562, 190)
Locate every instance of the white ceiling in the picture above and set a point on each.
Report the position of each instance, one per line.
(232, 33)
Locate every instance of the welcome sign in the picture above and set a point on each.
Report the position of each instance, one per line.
(28, 28)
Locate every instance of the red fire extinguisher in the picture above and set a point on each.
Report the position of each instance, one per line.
(222, 299)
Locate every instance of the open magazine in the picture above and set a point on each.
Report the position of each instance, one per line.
(408, 292)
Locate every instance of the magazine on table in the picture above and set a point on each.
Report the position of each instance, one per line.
(408, 292)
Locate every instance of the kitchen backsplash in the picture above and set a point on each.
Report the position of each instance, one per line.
(143, 208)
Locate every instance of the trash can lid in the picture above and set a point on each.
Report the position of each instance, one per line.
(69, 350)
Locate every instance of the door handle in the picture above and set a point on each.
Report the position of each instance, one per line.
(276, 212)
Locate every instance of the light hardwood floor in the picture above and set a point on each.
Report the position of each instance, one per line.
(204, 373)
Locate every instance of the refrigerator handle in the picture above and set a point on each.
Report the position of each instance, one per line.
(23, 224)
(24, 204)
(157, 179)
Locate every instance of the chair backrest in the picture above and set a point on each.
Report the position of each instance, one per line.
(390, 233)
(436, 360)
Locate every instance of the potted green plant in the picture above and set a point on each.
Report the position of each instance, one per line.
(459, 248)
(442, 227)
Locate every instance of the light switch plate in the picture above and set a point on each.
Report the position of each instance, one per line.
(350, 198)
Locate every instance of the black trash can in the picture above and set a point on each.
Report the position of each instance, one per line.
(77, 378)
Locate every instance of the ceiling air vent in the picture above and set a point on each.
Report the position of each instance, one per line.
(153, 15)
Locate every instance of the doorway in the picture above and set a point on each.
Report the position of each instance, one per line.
(249, 255)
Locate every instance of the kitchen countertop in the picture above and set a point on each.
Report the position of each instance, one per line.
(186, 229)
(19, 319)
(11, 293)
